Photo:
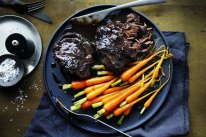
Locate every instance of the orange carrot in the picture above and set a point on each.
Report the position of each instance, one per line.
(116, 101)
(156, 71)
(85, 83)
(136, 94)
(89, 89)
(113, 89)
(105, 100)
(92, 88)
(98, 80)
(127, 112)
(137, 75)
(110, 105)
(128, 73)
(98, 91)
(78, 84)
(150, 100)
(135, 63)
(120, 110)
(89, 103)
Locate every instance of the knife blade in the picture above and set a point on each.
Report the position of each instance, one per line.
(41, 15)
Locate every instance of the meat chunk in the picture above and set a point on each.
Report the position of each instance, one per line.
(74, 53)
(120, 43)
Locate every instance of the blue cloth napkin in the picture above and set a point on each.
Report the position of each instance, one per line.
(172, 120)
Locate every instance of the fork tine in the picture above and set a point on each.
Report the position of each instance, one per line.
(33, 9)
(30, 9)
(35, 3)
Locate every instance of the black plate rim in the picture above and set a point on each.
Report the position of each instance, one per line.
(88, 128)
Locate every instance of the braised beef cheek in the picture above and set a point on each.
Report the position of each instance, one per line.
(119, 43)
(74, 53)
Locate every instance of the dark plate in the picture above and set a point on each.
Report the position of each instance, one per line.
(132, 121)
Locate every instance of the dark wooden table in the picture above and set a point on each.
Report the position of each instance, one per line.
(188, 16)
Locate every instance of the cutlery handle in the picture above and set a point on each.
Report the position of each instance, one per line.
(4, 3)
(137, 3)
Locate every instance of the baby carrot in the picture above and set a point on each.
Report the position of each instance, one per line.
(107, 99)
(74, 85)
(127, 112)
(156, 71)
(92, 95)
(141, 90)
(120, 110)
(141, 86)
(89, 103)
(98, 91)
(150, 100)
(85, 83)
(143, 81)
(128, 73)
(98, 80)
(92, 88)
(88, 89)
(116, 101)
(135, 63)
(78, 84)
(113, 89)
(136, 94)
(137, 75)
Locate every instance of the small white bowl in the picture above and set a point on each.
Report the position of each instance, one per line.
(11, 70)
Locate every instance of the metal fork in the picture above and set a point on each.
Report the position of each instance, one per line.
(20, 7)
(85, 115)
(96, 17)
